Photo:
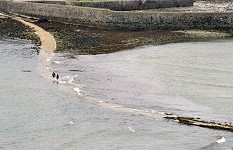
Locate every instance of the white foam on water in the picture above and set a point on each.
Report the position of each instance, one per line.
(48, 60)
(78, 91)
(221, 140)
(113, 106)
(71, 79)
(162, 113)
(62, 82)
(57, 62)
(68, 80)
(44, 63)
(131, 129)
(69, 123)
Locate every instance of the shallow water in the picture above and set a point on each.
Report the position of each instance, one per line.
(189, 79)
(120, 95)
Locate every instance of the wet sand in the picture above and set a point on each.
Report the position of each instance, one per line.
(48, 42)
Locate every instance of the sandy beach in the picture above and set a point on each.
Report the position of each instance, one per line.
(48, 42)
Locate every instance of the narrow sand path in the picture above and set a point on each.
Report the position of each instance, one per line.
(47, 48)
(48, 42)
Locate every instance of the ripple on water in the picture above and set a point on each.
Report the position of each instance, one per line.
(37, 114)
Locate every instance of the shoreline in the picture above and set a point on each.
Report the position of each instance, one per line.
(78, 40)
(91, 41)
(38, 35)
(49, 43)
(11, 28)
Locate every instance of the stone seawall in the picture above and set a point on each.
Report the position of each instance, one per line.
(220, 1)
(3, 6)
(104, 18)
(136, 4)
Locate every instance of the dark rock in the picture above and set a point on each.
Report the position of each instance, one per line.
(26, 71)
(42, 20)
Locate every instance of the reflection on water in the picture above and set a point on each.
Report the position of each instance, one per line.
(39, 114)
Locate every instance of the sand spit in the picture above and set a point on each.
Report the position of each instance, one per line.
(48, 42)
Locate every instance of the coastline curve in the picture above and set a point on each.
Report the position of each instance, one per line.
(47, 47)
(48, 43)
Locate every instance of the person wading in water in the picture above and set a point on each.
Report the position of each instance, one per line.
(53, 74)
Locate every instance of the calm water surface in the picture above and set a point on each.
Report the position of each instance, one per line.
(97, 106)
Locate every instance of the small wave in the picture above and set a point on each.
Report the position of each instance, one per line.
(131, 129)
(57, 62)
(62, 82)
(101, 102)
(213, 145)
(48, 60)
(69, 123)
(69, 79)
(221, 140)
(78, 91)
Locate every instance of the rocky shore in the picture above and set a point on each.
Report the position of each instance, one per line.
(13, 29)
(83, 40)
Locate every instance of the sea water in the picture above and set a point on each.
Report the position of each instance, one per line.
(115, 101)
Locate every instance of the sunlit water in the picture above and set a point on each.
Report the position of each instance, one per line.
(114, 101)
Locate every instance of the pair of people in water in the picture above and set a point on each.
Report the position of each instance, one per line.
(55, 76)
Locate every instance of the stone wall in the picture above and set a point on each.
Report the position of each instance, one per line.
(3, 6)
(136, 4)
(220, 1)
(104, 18)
